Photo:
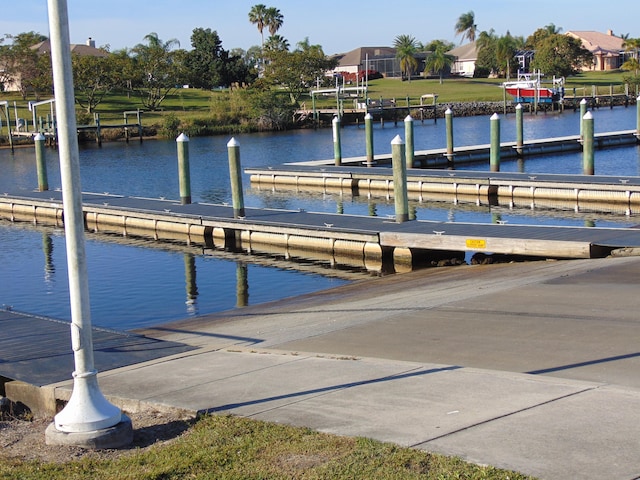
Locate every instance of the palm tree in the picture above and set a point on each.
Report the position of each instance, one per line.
(257, 16)
(273, 20)
(406, 48)
(505, 51)
(276, 43)
(439, 61)
(466, 26)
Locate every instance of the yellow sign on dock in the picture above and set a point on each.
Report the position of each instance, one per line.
(476, 243)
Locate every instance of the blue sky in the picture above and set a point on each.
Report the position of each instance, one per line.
(339, 26)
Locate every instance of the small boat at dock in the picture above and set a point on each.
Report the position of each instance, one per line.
(529, 89)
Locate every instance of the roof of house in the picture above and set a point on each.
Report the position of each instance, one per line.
(468, 51)
(356, 56)
(77, 48)
(597, 41)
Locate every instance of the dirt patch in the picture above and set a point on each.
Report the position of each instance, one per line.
(25, 440)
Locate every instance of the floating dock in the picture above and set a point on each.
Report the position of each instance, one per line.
(492, 188)
(371, 243)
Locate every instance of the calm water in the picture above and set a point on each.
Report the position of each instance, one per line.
(134, 286)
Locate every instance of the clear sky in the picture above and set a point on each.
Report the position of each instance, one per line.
(337, 25)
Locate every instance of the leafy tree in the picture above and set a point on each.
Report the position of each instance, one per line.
(93, 78)
(541, 34)
(406, 49)
(632, 48)
(124, 71)
(439, 61)
(560, 55)
(159, 69)
(209, 65)
(296, 71)
(466, 26)
(22, 65)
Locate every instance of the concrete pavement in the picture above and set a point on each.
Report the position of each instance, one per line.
(531, 366)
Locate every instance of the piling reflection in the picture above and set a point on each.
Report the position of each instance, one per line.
(47, 249)
(242, 285)
(191, 283)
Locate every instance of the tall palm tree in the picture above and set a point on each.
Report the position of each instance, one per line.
(276, 43)
(439, 61)
(466, 26)
(257, 16)
(273, 20)
(406, 49)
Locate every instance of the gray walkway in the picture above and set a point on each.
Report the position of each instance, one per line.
(532, 367)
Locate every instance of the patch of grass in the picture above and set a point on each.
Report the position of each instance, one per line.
(228, 447)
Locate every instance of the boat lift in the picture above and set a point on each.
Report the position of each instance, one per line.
(5, 104)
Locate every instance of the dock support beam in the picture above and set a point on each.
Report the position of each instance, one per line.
(399, 180)
(184, 175)
(337, 146)
(235, 173)
(494, 158)
(638, 117)
(41, 162)
(587, 145)
(408, 132)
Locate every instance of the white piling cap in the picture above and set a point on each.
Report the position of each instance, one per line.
(368, 116)
(39, 137)
(448, 111)
(408, 118)
(182, 138)
(233, 142)
(335, 119)
(397, 140)
(495, 116)
(519, 106)
(583, 101)
(588, 116)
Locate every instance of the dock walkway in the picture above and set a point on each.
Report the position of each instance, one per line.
(351, 240)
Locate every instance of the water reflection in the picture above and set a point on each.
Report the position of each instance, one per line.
(191, 284)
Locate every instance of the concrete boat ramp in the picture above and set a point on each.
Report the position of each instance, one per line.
(356, 241)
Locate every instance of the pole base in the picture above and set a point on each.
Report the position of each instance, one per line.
(117, 436)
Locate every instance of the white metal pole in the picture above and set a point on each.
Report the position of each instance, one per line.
(87, 409)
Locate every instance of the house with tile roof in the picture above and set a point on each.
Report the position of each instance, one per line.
(608, 52)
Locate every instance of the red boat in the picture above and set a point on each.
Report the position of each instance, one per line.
(528, 89)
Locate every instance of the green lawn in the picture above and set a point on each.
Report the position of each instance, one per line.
(227, 447)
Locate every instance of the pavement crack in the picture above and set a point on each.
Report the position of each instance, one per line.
(499, 417)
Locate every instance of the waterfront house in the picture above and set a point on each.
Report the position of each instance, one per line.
(607, 48)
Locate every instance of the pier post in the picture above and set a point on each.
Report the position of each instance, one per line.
(448, 120)
(519, 130)
(184, 175)
(235, 172)
(41, 162)
(408, 133)
(401, 198)
(638, 117)
(88, 419)
(337, 147)
(494, 155)
(587, 145)
(96, 119)
(368, 133)
(583, 112)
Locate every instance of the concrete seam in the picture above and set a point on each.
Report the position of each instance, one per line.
(499, 417)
